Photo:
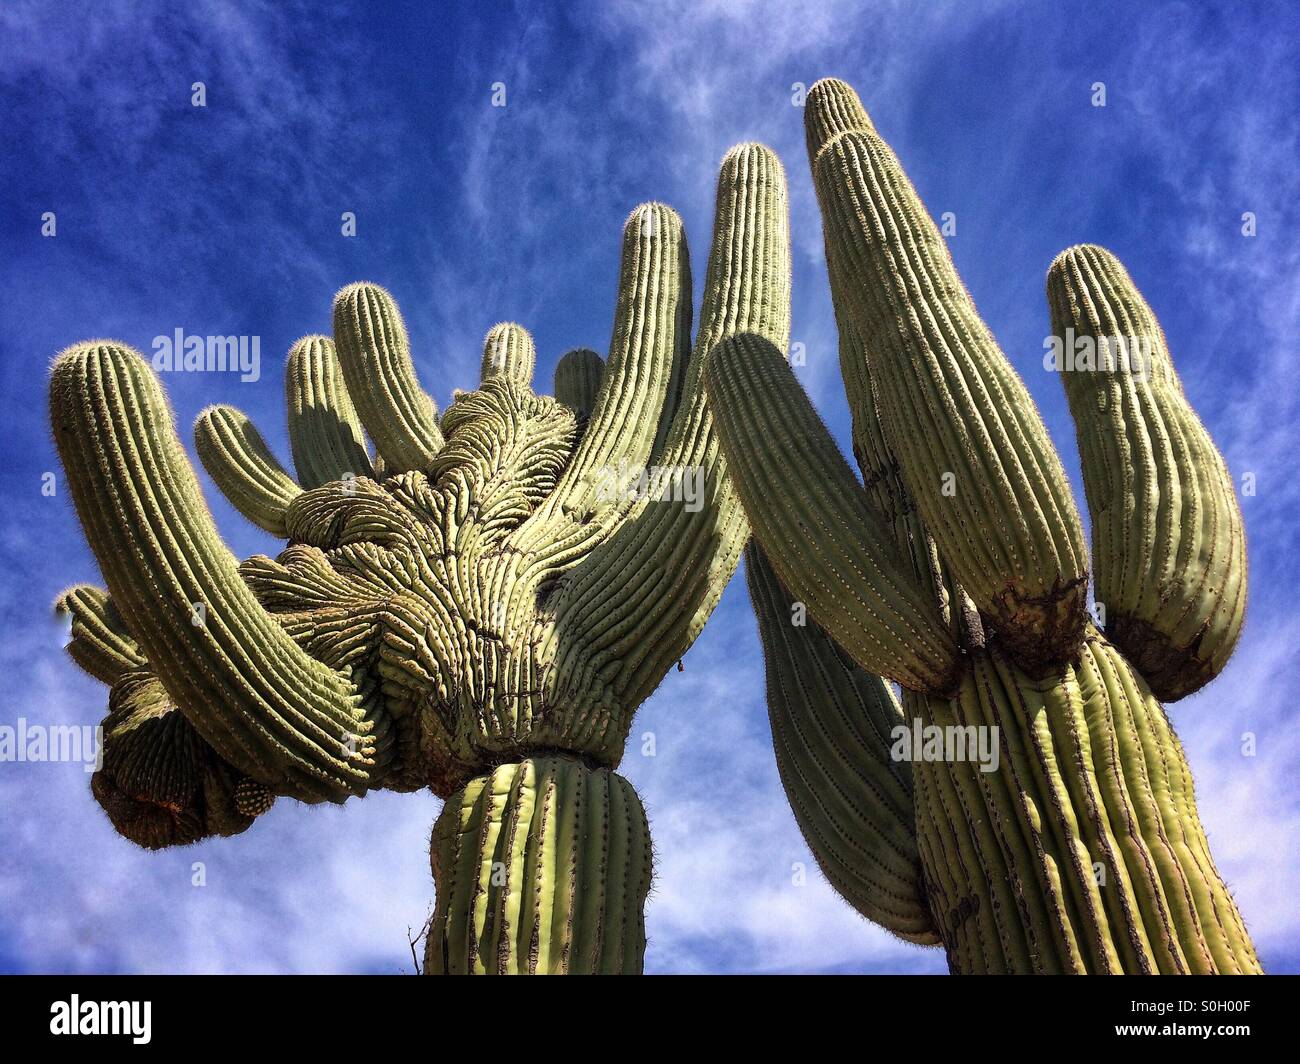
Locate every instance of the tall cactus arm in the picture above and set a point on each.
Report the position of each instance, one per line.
(243, 467)
(637, 602)
(831, 728)
(578, 377)
(250, 692)
(508, 351)
(652, 325)
(325, 434)
(100, 643)
(974, 452)
(1168, 541)
(375, 354)
(825, 540)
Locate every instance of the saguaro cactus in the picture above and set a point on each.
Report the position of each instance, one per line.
(959, 571)
(479, 609)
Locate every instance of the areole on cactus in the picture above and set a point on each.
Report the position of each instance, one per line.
(958, 570)
(470, 610)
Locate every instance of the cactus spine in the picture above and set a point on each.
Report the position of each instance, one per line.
(478, 609)
(1081, 850)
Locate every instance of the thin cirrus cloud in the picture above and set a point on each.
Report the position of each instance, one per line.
(227, 221)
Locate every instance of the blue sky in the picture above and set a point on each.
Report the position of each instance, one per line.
(226, 220)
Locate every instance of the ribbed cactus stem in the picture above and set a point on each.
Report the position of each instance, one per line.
(1082, 850)
(248, 474)
(250, 692)
(324, 431)
(541, 867)
(831, 728)
(974, 453)
(375, 354)
(1168, 541)
(578, 377)
(508, 351)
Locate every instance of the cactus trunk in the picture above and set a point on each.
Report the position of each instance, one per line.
(542, 867)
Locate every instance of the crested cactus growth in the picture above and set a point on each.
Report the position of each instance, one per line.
(959, 571)
(478, 609)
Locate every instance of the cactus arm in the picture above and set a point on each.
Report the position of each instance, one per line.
(243, 467)
(1169, 545)
(651, 334)
(974, 453)
(508, 351)
(250, 692)
(824, 539)
(638, 600)
(578, 377)
(375, 354)
(100, 643)
(325, 434)
(831, 728)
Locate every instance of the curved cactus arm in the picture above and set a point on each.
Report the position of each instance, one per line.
(639, 599)
(243, 467)
(832, 728)
(1168, 541)
(100, 643)
(270, 710)
(974, 453)
(375, 354)
(508, 351)
(816, 525)
(652, 324)
(325, 434)
(578, 377)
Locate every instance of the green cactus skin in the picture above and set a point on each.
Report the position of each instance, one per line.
(243, 467)
(1168, 541)
(1090, 857)
(101, 643)
(830, 727)
(578, 376)
(1082, 850)
(508, 351)
(956, 414)
(541, 866)
(479, 610)
(325, 433)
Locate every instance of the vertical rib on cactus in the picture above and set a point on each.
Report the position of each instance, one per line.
(324, 432)
(824, 539)
(243, 467)
(375, 355)
(974, 453)
(542, 867)
(1091, 857)
(638, 602)
(830, 727)
(267, 707)
(1169, 547)
(508, 351)
(101, 643)
(577, 381)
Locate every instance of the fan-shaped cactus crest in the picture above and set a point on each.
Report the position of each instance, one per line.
(478, 608)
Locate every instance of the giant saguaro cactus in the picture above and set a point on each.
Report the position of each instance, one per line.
(479, 609)
(959, 572)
